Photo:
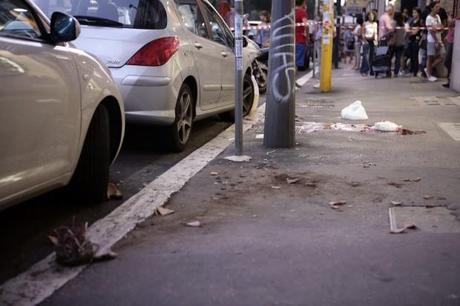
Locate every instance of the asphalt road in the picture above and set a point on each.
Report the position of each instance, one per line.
(24, 228)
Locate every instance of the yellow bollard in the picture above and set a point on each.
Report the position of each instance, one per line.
(325, 83)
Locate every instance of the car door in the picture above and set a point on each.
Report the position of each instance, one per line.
(223, 39)
(39, 103)
(207, 60)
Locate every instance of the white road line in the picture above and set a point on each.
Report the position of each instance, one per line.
(303, 80)
(45, 277)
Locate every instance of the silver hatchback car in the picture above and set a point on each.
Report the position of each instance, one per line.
(172, 60)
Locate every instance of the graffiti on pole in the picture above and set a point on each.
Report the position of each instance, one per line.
(284, 53)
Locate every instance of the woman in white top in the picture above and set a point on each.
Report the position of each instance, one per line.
(369, 42)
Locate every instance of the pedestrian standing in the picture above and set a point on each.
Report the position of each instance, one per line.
(386, 27)
(358, 34)
(435, 46)
(399, 41)
(449, 48)
(414, 36)
(263, 32)
(369, 43)
(349, 45)
(301, 32)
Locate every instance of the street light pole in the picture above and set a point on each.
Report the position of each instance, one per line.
(239, 77)
(280, 107)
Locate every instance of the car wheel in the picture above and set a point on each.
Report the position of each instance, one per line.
(248, 100)
(181, 130)
(90, 180)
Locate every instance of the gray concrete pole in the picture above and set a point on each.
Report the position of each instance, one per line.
(280, 107)
(239, 77)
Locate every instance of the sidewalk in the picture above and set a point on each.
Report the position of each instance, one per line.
(264, 241)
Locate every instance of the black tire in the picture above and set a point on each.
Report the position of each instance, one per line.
(180, 131)
(248, 100)
(91, 178)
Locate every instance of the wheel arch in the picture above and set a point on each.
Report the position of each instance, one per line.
(193, 85)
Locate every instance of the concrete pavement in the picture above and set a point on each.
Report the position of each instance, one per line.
(264, 241)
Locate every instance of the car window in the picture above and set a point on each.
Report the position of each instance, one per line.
(193, 19)
(220, 32)
(138, 14)
(17, 20)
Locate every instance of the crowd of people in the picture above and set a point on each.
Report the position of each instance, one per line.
(418, 42)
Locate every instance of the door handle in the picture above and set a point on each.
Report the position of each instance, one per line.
(224, 54)
(198, 46)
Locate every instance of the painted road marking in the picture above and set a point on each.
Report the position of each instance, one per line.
(452, 129)
(45, 277)
(303, 80)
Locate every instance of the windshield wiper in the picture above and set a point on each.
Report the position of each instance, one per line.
(91, 20)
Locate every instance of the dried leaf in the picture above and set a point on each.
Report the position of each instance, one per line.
(418, 179)
(313, 185)
(394, 184)
(109, 255)
(239, 159)
(113, 193)
(214, 173)
(163, 211)
(428, 197)
(337, 203)
(193, 224)
(276, 187)
(396, 203)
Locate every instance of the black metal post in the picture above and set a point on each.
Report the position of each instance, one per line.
(239, 77)
(280, 107)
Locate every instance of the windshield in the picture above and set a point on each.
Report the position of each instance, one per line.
(138, 14)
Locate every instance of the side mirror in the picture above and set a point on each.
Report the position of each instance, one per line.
(64, 27)
(245, 42)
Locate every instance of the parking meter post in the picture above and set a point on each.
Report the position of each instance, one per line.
(239, 77)
(280, 106)
(325, 83)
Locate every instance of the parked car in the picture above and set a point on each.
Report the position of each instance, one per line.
(172, 60)
(61, 114)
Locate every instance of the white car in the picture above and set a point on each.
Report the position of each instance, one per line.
(61, 114)
(172, 60)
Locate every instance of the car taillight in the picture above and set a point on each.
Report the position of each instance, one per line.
(155, 53)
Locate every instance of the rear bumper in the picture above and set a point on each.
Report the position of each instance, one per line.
(149, 93)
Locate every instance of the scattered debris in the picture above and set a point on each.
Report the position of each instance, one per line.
(354, 111)
(214, 173)
(238, 159)
(387, 126)
(271, 152)
(355, 184)
(430, 206)
(163, 211)
(260, 136)
(394, 184)
(396, 203)
(113, 193)
(369, 164)
(415, 180)
(337, 204)
(405, 132)
(276, 187)
(292, 180)
(428, 197)
(73, 248)
(193, 224)
(404, 229)
(313, 185)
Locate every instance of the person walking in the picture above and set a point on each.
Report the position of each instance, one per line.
(369, 43)
(449, 48)
(414, 36)
(435, 47)
(263, 32)
(358, 34)
(301, 32)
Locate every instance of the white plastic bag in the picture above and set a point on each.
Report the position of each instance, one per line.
(387, 126)
(354, 111)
